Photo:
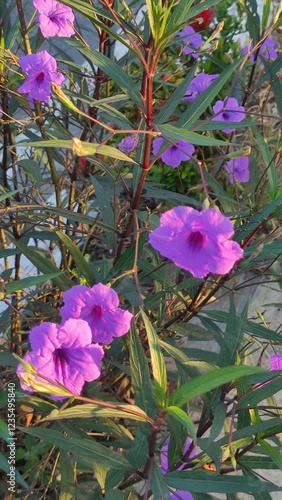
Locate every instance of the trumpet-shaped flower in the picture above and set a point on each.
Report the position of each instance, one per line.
(197, 241)
(54, 18)
(198, 85)
(238, 169)
(191, 41)
(128, 144)
(41, 72)
(64, 354)
(184, 495)
(228, 111)
(180, 151)
(99, 306)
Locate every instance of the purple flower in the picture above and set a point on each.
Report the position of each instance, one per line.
(99, 306)
(266, 50)
(197, 241)
(238, 169)
(180, 151)
(54, 18)
(191, 41)
(178, 494)
(65, 354)
(128, 144)
(41, 72)
(228, 111)
(276, 362)
(200, 83)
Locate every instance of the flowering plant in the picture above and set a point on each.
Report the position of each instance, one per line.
(140, 205)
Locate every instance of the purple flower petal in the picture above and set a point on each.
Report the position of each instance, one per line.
(238, 169)
(191, 41)
(54, 18)
(173, 156)
(276, 362)
(228, 111)
(128, 144)
(198, 85)
(197, 241)
(41, 72)
(99, 306)
(64, 354)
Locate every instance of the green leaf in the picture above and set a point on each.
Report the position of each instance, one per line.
(202, 482)
(235, 328)
(272, 452)
(86, 148)
(157, 360)
(260, 393)
(14, 286)
(32, 169)
(9, 194)
(113, 70)
(93, 410)
(141, 381)
(6, 467)
(43, 264)
(269, 164)
(208, 382)
(80, 261)
(103, 203)
(68, 481)
(176, 134)
(183, 418)
(86, 448)
(168, 109)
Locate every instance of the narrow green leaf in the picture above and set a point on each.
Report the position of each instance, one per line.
(113, 70)
(168, 109)
(157, 360)
(6, 467)
(103, 203)
(170, 132)
(272, 452)
(208, 382)
(43, 264)
(260, 393)
(93, 410)
(86, 448)
(80, 261)
(68, 480)
(269, 164)
(14, 286)
(203, 482)
(9, 194)
(183, 418)
(141, 381)
(234, 331)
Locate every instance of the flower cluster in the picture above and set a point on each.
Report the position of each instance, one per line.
(41, 70)
(197, 241)
(70, 353)
(54, 18)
